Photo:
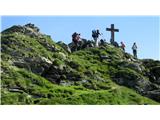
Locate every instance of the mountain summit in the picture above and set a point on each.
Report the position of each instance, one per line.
(36, 70)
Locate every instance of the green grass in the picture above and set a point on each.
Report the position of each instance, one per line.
(20, 86)
(38, 90)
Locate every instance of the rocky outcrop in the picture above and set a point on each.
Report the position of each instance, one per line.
(64, 46)
(61, 74)
(152, 70)
(154, 95)
(133, 76)
(82, 44)
(28, 29)
(35, 65)
(155, 74)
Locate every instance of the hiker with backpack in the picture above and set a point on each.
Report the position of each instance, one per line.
(76, 39)
(134, 48)
(123, 46)
(95, 35)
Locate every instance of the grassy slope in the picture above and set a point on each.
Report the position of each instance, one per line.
(34, 89)
(37, 90)
(25, 46)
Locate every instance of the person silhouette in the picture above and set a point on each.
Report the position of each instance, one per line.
(134, 48)
(95, 35)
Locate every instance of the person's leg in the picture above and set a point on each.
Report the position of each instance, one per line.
(79, 45)
(136, 53)
(96, 42)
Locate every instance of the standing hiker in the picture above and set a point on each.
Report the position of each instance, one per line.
(134, 48)
(123, 46)
(76, 39)
(95, 35)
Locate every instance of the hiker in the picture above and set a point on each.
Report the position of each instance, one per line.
(76, 39)
(102, 42)
(95, 35)
(123, 46)
(134, 48)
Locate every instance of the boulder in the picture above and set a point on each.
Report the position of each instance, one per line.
(139, 83)
(36, 65)
(132, 79)
(155, 74)
(64, 46)
(132, 65)
(46, 60)
(22, 65)
(62, 55)
(154, 95)
(152, 70)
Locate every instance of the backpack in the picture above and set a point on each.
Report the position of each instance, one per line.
(123, 45)
(94, 33)
(134, 47)
(74, 35)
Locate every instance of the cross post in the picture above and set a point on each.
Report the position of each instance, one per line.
(112, 30)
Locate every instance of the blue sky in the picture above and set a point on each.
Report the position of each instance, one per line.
(144, 30)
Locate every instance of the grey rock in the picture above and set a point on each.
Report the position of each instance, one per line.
(154, 95)
(64, 46)
(132, 65)
(22, 65)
